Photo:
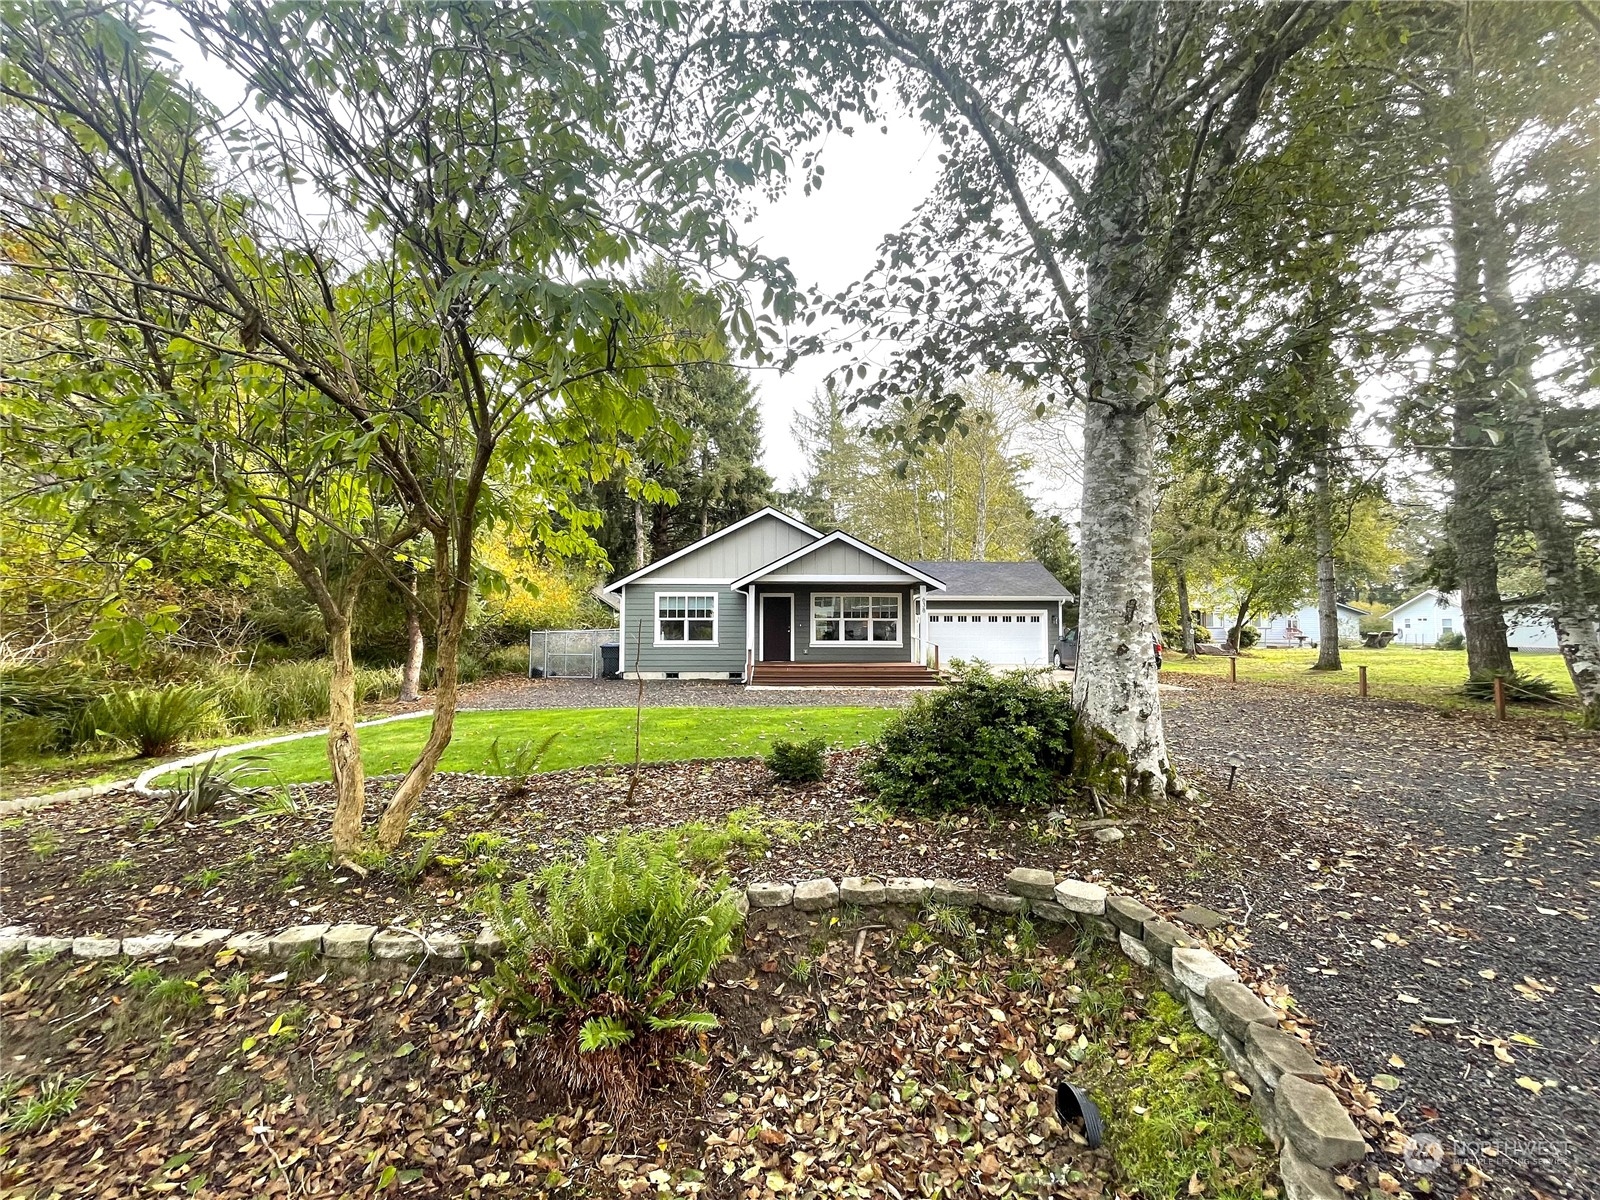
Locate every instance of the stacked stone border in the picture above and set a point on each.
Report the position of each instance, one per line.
(1288, 1087)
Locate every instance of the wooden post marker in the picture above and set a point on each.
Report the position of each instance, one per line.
(1363, 671)
(1233, 668)
(1500, 697)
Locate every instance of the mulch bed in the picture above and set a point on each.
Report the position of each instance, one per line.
(1423, 884)
(841, 1062)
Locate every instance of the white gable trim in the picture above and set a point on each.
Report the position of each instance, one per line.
(838, 535)
(769, 511)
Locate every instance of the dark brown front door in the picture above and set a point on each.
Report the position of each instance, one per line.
(777, 628)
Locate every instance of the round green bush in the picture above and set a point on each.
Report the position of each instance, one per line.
(984, 741)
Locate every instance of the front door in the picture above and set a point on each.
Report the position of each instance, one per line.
(777, 628)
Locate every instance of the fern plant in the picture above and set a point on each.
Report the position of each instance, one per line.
(155, 720)
(603, 980)
(1521, 688)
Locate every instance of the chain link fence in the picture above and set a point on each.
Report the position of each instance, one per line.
(568, 653)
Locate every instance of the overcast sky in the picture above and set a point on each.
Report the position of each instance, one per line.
(872, 182)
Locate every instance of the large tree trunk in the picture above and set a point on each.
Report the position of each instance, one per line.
(1327, 579)
(344, 742)
(1123, 748)
(1185, 617)
(1577, 631)
(1470, 522)
(416, 646)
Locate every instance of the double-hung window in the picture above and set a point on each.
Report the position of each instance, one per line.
(857, 620)
(686, 618)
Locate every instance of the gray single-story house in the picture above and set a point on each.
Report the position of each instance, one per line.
(770, 600)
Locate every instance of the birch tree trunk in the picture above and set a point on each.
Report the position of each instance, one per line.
(641, 543)
(1327, 578)
(1185, 616)
(1577, 630)
(1114, 686)
(344, 744)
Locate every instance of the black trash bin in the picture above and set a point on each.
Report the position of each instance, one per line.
(611, 660)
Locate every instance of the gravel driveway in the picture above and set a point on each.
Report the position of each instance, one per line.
(1435, 911)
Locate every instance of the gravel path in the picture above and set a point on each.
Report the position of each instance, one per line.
(669, 693)
(1437, 906)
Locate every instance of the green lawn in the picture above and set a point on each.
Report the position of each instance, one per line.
(588, 737)
(1395, 673)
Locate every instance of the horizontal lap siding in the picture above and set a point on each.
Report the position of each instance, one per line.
(642, 654)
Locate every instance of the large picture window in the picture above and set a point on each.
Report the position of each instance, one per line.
(686, 618)
(855, 619)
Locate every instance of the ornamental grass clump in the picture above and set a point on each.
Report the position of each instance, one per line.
(602, 990)
(986, 740)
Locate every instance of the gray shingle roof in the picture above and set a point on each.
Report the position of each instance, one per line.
(995, 580)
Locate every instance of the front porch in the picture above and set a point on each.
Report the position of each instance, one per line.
(842, 674)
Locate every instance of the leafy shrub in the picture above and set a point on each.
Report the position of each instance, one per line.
(24, 737)
(155, 720)
(1451, 641)
(985, 740)
(798, 762)
(1521, 688)
(1249, 635)
(604, 982)
(1202, 634)
(43, 708)
(508, 660)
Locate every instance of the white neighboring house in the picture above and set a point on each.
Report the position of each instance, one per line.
(1299, 628)
(1304, 626)
(1427, 616)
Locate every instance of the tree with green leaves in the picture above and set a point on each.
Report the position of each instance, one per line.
(1086, 152)
(422, 245)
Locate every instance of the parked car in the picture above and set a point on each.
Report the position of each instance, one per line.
(1066, 655)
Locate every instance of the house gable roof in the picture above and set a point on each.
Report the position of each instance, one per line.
(1027, 580)
(768, 511)
(838, 537)
(1440, 599)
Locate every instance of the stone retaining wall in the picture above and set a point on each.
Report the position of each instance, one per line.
(1288, 1087)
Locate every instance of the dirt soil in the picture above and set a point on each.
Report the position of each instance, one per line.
(1423, 885)
(837, 1060)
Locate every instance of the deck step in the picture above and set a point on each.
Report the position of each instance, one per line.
(843, 675)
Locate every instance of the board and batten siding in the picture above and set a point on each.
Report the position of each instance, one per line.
(740, 552)
(838, 560)
(724, 657)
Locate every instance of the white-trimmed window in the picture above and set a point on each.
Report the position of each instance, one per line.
(855, 620)
(686, 618)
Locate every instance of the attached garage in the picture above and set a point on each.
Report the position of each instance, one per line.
(999, 637)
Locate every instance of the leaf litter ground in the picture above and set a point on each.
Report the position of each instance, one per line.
(857, 1058)
(1423, 884)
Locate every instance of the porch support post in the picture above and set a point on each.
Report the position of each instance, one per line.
(918, 622)
(750, 632)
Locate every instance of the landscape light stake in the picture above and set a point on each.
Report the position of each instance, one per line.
(1234, 763)
(1363, 672)
(1233, 668)
(1500, 697)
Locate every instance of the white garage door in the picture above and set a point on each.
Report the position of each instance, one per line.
(1001, 639)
